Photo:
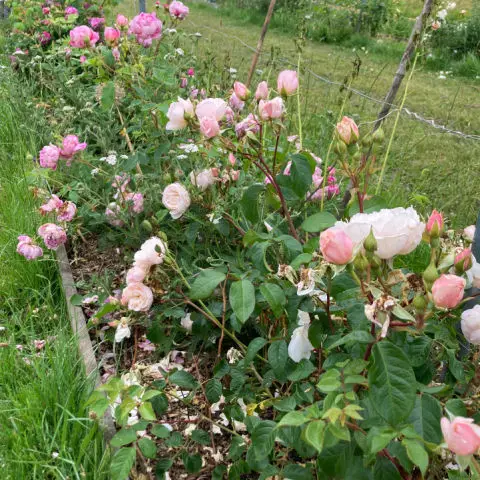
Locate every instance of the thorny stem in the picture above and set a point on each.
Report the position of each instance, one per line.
(299, 107)
(274, 165)
(224, 310)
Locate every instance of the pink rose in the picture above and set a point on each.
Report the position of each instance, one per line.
(178, 10)
(152, 252)
(241, 91)
(116, 53)
(122, 20)
(231, 159)
(45, 10)
(461, 435)
(66, 212)
(236, 103)
(53, 204)
(469, 232)
(137, 296)
(70, 11)
(203, 179)
(178, 114)
(176, 199)
(111, 35)
(336, 246)
(183, 82)
(83, 59)
(52, 235)
(191, 72)
(262, 91)
(229, 116)
(136, 202)
(270, 109)
(49, 156)
(27, 248)
(96, 22)
(209, 127)
(463, 261)
(135, 275)
(146, 27)
(70, 146)
(287, 82)
(249, 124)
(83, 37)
(471, 324)
(435, 224)
(45, 38)
(112, 213)
(211, 107)
(347, 130)
(448, 291)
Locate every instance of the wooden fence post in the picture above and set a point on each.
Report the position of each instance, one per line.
(260, 42)
(142, 6)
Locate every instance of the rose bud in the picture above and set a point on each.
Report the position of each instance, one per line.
(287, 82)
(347, 131)
(463, 261)
(461, 435)
(241, 91)
(336, 246)
(435, 224)
(448, 291)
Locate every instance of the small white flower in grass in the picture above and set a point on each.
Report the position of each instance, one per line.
(300, 347)
(111, 159)
(179, 52)
(186, 322)
(2, 329)
(122, 331)
(55, 454)
(182, 157)
(94, 172)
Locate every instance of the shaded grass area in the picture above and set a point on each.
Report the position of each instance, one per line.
(44, 433)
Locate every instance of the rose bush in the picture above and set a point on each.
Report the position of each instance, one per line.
(320, 332)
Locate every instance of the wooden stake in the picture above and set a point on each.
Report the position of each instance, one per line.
(260, 41)
(415, 37)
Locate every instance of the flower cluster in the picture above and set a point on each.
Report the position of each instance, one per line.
(51, 154)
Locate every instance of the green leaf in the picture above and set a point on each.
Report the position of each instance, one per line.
(385, 470)
(277, 356)
(76, 300)
(302, 370)
(122, 463)
(213, 390)
(183, 379)
(123, 437)
(329, 381)
(314, 434)
(318, 222)
(416, 453)
(293, 419)
(146, 411)
(263, 437)
(425, 418)
(160, 431)
(286, 404)
(275, 297)
(108, 96)
(242, 299)
(147, 447)
(193, 463)
(253, 348)
(297, 472)
(456, 407)
(357, 336)
(250, 202)
(201, 436)
(379, 437)
(205, 283)
(392, 383)
(301, 175)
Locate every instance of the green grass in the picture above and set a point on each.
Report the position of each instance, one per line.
(44, 433)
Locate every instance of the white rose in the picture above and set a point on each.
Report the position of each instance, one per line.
(300, 346)
(122, 331)
(149, 254)
(186, 322)
(398, 231)
(135, 275)
(469, 232)
(177, 113)
(203, 179)
(137, 296)
(176, 199)
(471, 324)
(473, 274)
(211, 107)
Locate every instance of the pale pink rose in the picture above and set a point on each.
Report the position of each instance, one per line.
(83, 59)
(330, 190)
(229, 116)
(347, 130)
(122, 20)
(70, 11)
(135, 275)
(116, 53)
(287, 82)
(96, 22)
(137, 296)
(178, 114)
(83, 37)
(231, 159)
(398, 231)
(436, 25)
(121, 182)
(448, 291)
(241, 91)
(178, 10)
(471, 324)
(111, 35)
(183, 82)
(435, 223)
(53, 204)
(463, 261)
(176, 199)
(49, 156)
(271, 109)
(249, 124)
(27, 248)
(469, 233)
(473, 274)
(262, 91)
(146, 27)
(70, 146)
(147, 346)
(461, 435)
(66, 212)
(336, 246)
(135, 201)
(211, 107)
(209, 127)
(203, 179)
(236, 103)
(52, 235)
(152, 252)
(112, 213)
